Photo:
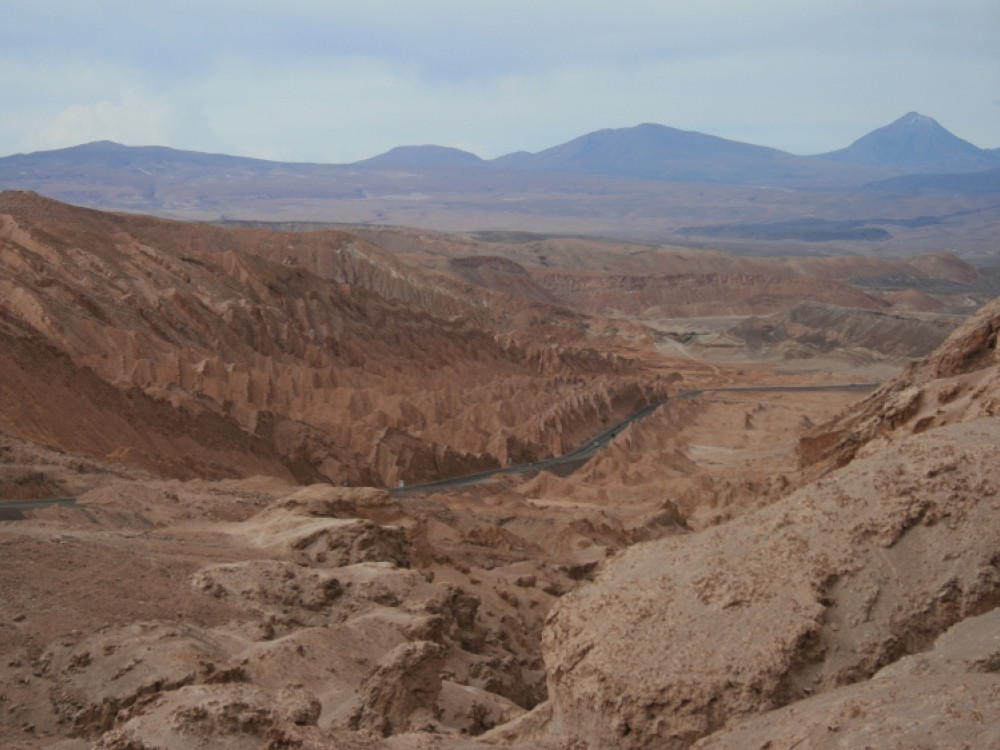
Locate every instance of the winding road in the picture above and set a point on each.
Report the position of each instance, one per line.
(590, 447)
(11, 509)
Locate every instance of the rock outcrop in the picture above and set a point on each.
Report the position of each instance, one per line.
(331, 361)
(678, 637)
(945, 697)
(235, 717)
(957, 382)
(119, 667)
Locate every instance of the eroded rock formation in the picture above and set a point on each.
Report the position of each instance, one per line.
(336, 362)
(695, 580)
(677, 638)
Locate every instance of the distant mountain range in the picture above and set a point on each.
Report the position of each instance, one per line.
(107, 155)
(607, 181)
(656, 152)
(647, 152)
(913, 144)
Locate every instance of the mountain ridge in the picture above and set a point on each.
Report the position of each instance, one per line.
(642, 151)
(915, 143)
(315, 350)
(658, 152)
(113, 153)
(612, 183)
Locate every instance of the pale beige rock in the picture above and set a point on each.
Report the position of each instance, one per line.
(473, 710)
(270, 585)
(229, 717)
(331, 542)
(401, 692)
(934, 712)
(678, 636)
(971, 646)
(109, 672)
(934, 699)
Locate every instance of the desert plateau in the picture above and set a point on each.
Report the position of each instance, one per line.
(543, 457)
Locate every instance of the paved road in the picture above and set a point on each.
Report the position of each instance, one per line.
(29, 504)
(13, 510)
(590, 447)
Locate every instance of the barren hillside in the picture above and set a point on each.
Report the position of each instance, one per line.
(770, 557)
(337, 363)
(791, 605)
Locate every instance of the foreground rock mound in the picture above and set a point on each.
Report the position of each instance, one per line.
(677, 637)
(947, 697)
(118, 667)
(942, 711)
(232, 717)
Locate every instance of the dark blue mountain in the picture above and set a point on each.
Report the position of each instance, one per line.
(423, 156)
(657, 152)
(913, 144)
(111, 155)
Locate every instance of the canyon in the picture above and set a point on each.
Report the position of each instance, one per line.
(242, 412)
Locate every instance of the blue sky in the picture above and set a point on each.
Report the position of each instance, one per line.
(341, 80)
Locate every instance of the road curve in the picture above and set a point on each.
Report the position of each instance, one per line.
(29, 504)
(590, 447)
(581, 453)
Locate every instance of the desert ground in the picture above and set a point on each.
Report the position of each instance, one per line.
(796, 546)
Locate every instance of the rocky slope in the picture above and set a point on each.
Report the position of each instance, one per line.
(252, 613)
(711, 575)
(677, 638)
(691, 295)
(590, 275)
(812, 327)
(956, 383)
(333, 362)
(945, 697)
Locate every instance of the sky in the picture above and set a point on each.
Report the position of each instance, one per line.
(340, 80)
